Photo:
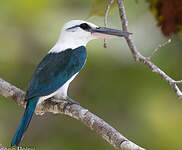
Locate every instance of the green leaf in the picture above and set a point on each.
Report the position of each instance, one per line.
(99, 6)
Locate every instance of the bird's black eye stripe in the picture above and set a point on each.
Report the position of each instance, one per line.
(85, 26)
(73, 27)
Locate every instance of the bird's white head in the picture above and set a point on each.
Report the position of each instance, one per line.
(77, 33)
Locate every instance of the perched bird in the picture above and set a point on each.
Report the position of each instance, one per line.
(60, 66)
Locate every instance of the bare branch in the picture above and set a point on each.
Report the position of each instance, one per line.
(105, 17)
(140, 58)
(92, 121)
(178, 82)
(107, 11)
(160, 46)
(2, 147)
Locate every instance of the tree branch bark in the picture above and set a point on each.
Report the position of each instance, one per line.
(92, 121)
(2, 147)
(106, 16)
(140, 58)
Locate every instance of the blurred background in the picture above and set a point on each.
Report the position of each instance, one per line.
(126, 94)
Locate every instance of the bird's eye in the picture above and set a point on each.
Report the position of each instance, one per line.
(85, 26)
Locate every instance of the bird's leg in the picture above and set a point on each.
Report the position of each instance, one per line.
(69, 102)
(68, 99)
(53, 98)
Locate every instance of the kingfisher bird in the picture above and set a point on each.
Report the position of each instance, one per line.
(60, 66)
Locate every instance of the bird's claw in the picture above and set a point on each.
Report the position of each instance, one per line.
(69, 102)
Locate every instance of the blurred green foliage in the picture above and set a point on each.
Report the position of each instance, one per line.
(99, 6)
(126, 94)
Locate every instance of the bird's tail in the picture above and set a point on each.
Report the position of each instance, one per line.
(27, 116)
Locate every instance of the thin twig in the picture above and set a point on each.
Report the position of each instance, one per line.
(140, 58)
(106, 16)
(159, 47)
(92, 121)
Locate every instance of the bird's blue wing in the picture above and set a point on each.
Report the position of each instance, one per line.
(55, 70)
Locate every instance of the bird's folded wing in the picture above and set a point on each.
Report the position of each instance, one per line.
(55, 70)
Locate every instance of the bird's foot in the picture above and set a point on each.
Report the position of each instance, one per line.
(69, 102)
